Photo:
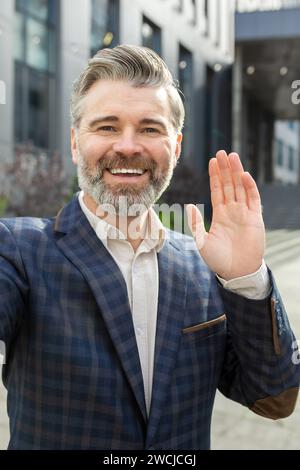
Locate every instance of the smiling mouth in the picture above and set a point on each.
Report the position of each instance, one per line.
(126, 171)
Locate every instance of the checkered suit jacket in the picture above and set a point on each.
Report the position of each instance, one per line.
(73, 374)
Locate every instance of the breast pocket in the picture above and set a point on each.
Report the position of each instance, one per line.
(205, 329)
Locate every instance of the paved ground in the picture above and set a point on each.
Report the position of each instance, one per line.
(3, 419)
(235, 427)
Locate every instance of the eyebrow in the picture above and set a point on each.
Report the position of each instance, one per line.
(100, 119)
(156, 122)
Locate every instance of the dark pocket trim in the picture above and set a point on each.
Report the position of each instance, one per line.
(202, 326)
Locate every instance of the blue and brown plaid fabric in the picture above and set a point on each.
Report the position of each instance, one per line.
(72, 370)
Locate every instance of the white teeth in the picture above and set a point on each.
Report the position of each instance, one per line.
(126, 170)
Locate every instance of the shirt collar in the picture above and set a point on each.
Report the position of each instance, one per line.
(155, 234)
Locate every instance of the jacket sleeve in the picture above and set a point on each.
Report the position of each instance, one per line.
(13, 285)
(260, 370)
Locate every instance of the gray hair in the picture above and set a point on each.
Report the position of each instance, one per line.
(140, 66)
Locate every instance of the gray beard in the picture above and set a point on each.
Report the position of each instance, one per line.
(125, 199)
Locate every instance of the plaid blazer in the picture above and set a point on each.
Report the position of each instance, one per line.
(72, 370)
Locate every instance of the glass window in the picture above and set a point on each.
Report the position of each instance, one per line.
(31, 106)
(206, 14)
(35, 37)
(35, 66)
(38, 8)
(38, 105)
(20, 5)
(19, 35)
(105, 24)
(52, 12)
(37, 45)
(279, 152)
(291, 159)
(151, 35)
(194, 12)
(99, 16)
(18, 100)
(52, 51)
(206, 8)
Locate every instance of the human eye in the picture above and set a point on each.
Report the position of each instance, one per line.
(106, 128)
(150, 130)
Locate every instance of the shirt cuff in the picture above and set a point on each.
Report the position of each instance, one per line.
(255, 286)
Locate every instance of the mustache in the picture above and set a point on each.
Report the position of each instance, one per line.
(138, 162)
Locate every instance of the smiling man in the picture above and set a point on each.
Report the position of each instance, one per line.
(117, 341)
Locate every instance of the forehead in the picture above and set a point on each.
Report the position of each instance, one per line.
(115, 97)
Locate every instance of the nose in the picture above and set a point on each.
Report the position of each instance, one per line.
(127, 144)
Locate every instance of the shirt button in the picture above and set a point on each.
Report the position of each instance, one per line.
(140, 331)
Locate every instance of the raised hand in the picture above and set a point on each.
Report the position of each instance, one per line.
(234, 245)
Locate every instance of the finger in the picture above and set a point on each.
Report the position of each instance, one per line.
(226, 176)
(216, 190)
(237, 170)
(196, 225)
(253, 197)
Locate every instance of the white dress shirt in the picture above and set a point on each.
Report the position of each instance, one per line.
(140, 271)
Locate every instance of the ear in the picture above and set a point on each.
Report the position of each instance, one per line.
(177, 148)
(74, 148)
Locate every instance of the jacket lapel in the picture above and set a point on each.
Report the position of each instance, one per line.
(82, 247)
(170, 319)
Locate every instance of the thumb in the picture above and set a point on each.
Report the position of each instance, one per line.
(196, 225)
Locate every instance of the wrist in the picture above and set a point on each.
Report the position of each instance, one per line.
(238, 274)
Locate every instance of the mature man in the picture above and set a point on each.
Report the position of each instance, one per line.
(118, 338)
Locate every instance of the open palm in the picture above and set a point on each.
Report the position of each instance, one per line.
(234, 245)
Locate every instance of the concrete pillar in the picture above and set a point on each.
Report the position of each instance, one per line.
(7, 12)
(130, 32)
(237, 102)
(75, 30)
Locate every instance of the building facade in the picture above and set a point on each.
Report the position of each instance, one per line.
(45, 43)
(265, 80)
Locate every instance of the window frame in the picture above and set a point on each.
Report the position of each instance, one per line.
(23, 70)
(113, 16)
(157, 35)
